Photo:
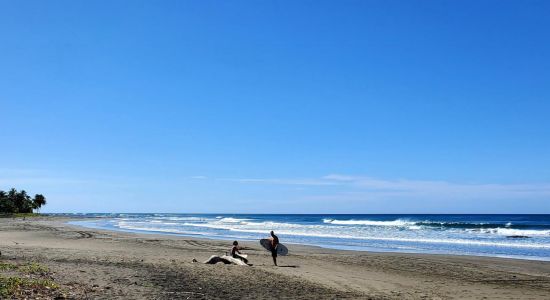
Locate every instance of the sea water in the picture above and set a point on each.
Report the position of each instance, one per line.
(515, 236)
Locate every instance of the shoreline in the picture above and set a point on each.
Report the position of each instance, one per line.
(374, 250)
(528, 248)
(106, 264)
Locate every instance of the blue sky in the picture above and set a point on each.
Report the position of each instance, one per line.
(278, 106)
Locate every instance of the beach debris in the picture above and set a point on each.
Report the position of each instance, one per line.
(214, 259)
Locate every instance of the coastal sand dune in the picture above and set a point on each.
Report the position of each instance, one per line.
(98, 264)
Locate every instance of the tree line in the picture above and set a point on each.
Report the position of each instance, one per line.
(13, 202)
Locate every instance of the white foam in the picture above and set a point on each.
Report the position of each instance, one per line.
(397, 239)
(254, 225)
(159, 229)
(232, 220)
(518, 232)
(182, 219)
(398, 230)
(324, 232)
(397, 222)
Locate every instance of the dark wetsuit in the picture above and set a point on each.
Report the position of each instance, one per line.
(274, 244)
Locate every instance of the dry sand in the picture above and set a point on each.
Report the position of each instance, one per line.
(98, 264)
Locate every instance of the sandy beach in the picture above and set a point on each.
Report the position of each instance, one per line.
(98, 264)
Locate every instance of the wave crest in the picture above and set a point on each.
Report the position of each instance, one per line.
(397, 222)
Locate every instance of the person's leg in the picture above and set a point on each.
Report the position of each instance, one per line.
(243, 259)
(240, 257)
(274, 255)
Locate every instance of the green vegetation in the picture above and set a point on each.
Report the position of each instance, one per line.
(7, 266)
(30, 268)
(11, 285)
(22, 280)
(34, 268)
(14, 202)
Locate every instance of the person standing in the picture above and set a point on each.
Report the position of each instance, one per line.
(274, 243)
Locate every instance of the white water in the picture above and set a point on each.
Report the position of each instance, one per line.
(398, 234)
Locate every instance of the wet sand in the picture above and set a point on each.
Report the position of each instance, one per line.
(99, 264)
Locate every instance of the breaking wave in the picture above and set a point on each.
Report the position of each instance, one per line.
(486, 235)
(369, 222)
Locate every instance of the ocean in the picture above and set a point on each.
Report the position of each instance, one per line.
(514, 236)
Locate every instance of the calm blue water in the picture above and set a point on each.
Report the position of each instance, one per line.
(518, 236)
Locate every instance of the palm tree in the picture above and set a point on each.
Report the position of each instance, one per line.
(23, 202)
(20, 202)
(38, 201)
(4, 202)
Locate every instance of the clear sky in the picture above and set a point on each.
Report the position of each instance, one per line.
(277, 106)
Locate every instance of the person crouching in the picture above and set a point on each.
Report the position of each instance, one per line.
(235, 253)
